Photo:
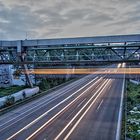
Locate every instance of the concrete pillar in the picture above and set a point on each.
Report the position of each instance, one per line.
(22, 58)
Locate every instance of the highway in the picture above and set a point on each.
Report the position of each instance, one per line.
(86, 109)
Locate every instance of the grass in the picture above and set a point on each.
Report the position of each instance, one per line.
(10, 90)
(133, 99)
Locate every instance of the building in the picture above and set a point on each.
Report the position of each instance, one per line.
(5, 75)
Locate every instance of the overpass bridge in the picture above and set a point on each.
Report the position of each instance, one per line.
(93, 98)
(92, 50)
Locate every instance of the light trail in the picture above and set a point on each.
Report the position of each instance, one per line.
(84, 71)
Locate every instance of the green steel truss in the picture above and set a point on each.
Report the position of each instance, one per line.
(71, 54)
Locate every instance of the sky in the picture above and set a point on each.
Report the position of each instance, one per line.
(42, 19)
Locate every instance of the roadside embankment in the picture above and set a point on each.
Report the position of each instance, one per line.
(132, 117)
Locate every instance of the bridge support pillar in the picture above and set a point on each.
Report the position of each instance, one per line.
(22, 57)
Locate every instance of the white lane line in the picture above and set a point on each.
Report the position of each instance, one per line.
(44, 114)
(109, 86)
(67, 136)
(39, 106)
(70, 114)
(118, 132)
(81, 102)
(100, 104)
(61, 111)
(104, 86)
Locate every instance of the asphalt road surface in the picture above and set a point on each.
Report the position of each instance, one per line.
(87, 109)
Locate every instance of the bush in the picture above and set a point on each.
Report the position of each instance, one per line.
(138, 96)
(48, 83)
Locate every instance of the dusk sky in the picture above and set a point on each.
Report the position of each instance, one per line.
(36, 19)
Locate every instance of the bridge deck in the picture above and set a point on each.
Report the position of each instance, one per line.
(78, 40)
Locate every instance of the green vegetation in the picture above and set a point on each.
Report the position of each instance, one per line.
(48, 83)
(133, 95)
(133, 111)
(10, 90)
(44, 85)
(123, 124)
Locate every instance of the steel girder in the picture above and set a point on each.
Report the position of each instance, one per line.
(83, 53)
(68, 54)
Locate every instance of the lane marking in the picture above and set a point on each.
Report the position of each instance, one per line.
(70, 114)
(44, 114)
(118, 132)
(109, 86)
(103, 85)
(61, 111)
(81, 102)
(66, 137)
(100, 104)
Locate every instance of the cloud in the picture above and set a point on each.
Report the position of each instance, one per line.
(18, 20)
(62, 18)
